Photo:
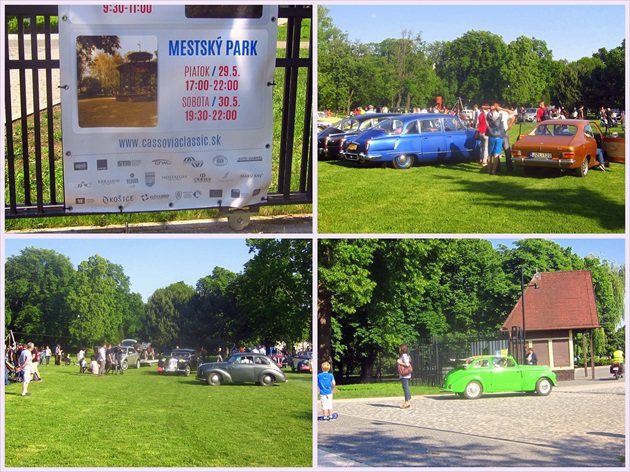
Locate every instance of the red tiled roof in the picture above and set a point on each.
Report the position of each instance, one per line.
(563, 300)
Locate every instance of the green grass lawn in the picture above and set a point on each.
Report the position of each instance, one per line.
(143, 419)
(383, 389)
(463, 198)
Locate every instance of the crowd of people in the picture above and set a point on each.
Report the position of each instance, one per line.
(22, 362)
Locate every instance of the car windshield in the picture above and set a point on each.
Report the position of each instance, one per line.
(347, 124)
(181, 354)
(551, 129)
(391, 126)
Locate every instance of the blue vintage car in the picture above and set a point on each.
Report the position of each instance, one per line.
(407, 139)
(330, 141)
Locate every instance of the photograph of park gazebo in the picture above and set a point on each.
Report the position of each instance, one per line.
(117, 81)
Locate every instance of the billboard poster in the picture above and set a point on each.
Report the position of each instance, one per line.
(166, 107)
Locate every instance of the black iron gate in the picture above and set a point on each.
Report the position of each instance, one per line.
(33, 165)
(433, 358)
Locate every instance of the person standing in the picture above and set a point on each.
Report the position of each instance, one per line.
(48, 354)
(81, 359)
(532, 358)
(540, 113)
(102, 359)
(58, 353)
(404, 360)
(475, 117)
(508, 118)
(24, 366)
(326, 387)
(580, 113)
(495, 133)
(482, 126)
(35, 362)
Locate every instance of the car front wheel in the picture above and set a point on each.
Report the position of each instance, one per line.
(404, 161)
(582, 171)
(125, 365)
(473, 390)
(214, 379)
(543, 387)
(187, 371)
(266, 380)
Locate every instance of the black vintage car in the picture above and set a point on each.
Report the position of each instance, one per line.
(179, 360)
(330, 140)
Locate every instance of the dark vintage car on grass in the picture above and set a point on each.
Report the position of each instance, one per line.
(330, 140)
(243, 367)
(559, 144)
(302, 362)
(406, 139)
(492, 374)
(179, 361)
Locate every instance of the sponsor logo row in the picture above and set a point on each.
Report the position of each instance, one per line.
(177, 195)
(217, 161)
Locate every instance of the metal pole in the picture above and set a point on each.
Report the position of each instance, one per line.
(523, 307)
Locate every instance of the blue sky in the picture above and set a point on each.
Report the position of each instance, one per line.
(612, 249)
(570, 31)
(150, 263)
(156, 262)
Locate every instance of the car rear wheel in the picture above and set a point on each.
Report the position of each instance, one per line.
(582, 171)
(138, 364)
(404, 161)
(543, 387)
(187, 371)
(473, 390)
(214, 379)
(266, 380)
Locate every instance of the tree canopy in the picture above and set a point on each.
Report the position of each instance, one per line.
(406, 72)
(376, 294)
(48, 300)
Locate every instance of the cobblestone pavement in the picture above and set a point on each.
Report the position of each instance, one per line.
(572, 427)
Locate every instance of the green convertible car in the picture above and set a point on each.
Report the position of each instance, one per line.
(491, 374)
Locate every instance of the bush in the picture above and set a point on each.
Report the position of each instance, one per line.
(12, 24)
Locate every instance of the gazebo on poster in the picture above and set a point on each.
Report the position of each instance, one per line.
(138, 78)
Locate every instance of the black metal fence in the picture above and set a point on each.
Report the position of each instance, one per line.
(434, 357)
(32, 160)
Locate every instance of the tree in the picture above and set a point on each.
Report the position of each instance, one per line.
(472, 65)
(98, 301)
(86, 45)
(165, 310)
(334, 79)
(523, 72)
(36, 284)
(275, 292)
(216, 312)
(343, 284)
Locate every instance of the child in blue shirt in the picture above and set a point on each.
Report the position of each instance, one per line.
(326, 385)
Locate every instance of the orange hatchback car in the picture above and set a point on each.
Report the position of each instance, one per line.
(560, 144)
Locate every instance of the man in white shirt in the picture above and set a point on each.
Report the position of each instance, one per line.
(24, 366)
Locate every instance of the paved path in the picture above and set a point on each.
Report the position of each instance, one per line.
(286, 224)
(573, 427)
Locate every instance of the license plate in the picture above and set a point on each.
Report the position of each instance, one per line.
(352, 147)
(541, 155)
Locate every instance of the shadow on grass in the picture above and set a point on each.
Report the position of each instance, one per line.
(514, 193)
